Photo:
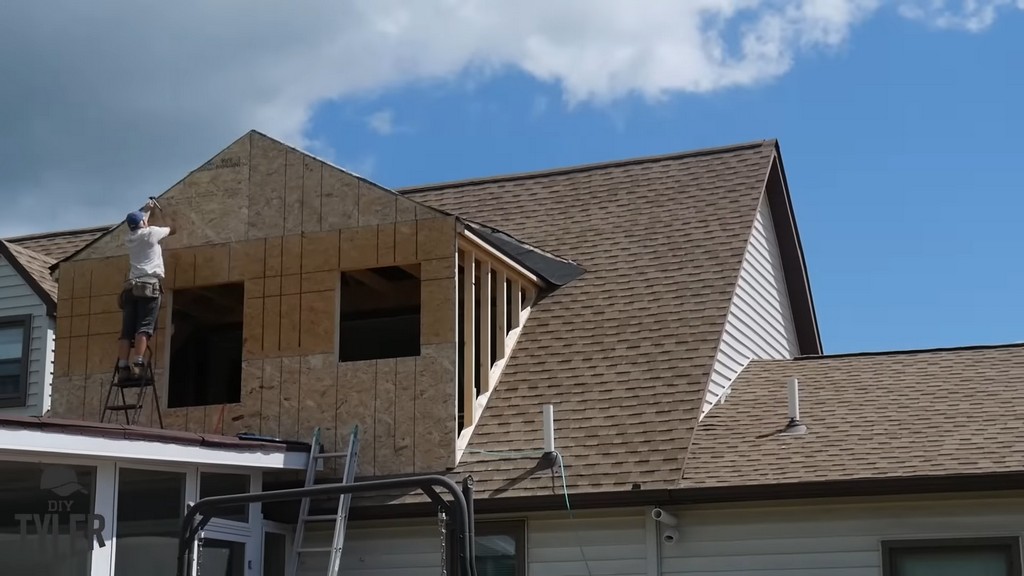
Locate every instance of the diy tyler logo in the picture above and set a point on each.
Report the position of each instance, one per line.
(60, 524)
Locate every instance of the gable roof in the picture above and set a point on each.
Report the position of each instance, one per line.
(33, 255)
(896, 415)
(623, 352)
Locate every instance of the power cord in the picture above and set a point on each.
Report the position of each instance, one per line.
(565, 491)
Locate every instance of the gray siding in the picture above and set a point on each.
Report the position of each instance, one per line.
(760, 323)
(612, 543)
(826, 540)
(17, 298)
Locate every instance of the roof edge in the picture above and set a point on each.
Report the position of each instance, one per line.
(28, 278)
(912, 351)
(711, 151)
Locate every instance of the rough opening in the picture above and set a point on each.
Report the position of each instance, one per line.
(380, 313)
(206, 346)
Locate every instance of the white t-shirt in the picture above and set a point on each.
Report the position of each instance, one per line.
(144, 252)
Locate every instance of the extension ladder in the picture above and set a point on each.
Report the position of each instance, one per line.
(118, 402)
(340, 518)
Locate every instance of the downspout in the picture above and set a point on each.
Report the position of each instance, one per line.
(653, 539)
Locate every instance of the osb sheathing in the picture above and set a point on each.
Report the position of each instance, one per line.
(286, 225)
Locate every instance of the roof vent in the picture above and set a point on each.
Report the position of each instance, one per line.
(794, 426)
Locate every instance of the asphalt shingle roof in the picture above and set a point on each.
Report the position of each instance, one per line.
(873, 416)
(36, 265)
(60, 244)
(33, 255)
(624, 351)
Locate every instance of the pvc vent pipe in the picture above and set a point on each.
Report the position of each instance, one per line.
(549, 428)
(664, 517)
(794, 400)
(670, 536)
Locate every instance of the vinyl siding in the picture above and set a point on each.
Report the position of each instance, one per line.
(611, 543)
(759, 324)
(17, 298)
(826, 540)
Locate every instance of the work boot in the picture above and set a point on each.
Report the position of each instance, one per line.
(123, 373)
(138, 368)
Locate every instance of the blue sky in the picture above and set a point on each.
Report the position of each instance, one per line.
(898, 119)
(901, 150)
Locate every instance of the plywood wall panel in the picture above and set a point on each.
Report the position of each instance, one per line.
(106, 323)
(435, 408)
(291, 369)
(320, 281)
(247, 416)
(316, 333)
(317, 397)
(270, 398)
(104, 304)
(196, 420)
(385, 418)
(65, 280)
(272, 286)
(95, 394)
(385, 244)
(405, 209)
(61, 354)
(405, 242)
(435, 238)
(80, 325)
(78, 355)
(320, 251)
(358, 248)
(69, 397)
(266, 188)
(82, 280)
(254, 288)
(312, 179)
(291, 262)
(291, 284)
(252, 328)
(405, 413)
(356, 397)
(339, 201)
(212, 265)
(247, 260)
(290, 323)
(293, 193)
(437, 324)
(175, 419)
(438, 268)
(101, 355)
(271, 325)
(376, 205)
(274, 252)
(109, 275)
(185, 269)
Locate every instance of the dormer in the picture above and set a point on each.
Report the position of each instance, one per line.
(299, 295)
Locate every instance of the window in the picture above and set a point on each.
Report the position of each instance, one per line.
(14, 347)
(379, 313)
(47, 520)
(150, 506)
(500, 549)
(206, 346)
(960, 557)
(221, 484)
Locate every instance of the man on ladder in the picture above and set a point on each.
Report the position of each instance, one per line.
(141, 295)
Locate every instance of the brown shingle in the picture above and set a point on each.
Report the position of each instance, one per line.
(36, 265)
(58, 245)
(890, 415)
(623, 352)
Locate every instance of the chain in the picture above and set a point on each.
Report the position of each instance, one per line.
(441, 522)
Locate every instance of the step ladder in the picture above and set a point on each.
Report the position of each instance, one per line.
(340, 519)
(121, 401)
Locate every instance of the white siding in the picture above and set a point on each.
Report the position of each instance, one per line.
(760, 323)
(17, 298)
(611, 542)
(826, 540)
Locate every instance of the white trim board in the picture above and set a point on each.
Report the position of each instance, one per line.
(124, 450)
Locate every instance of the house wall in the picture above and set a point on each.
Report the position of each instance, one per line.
(827, 538)
(611, 541)
(16, 299)
(286, 225)
(760, 323)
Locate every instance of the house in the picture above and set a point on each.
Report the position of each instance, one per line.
(661, 306)
(28, 304)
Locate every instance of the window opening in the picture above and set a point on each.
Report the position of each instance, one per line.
(379, 313)
(14, 350)
(206, 346)
(959, 557)
(223, 484)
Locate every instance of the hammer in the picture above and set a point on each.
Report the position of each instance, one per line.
(155, 203)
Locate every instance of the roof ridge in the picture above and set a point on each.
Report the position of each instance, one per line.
(695, 153)
(913, 351)
(55, 233)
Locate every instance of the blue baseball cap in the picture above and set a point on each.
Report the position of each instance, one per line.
(134, 219)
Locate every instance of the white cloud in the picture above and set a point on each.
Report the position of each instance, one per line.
(382, 122)
(109, 101)
(970, 15)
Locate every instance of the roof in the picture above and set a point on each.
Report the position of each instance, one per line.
(121, 431)
(870, 416)
(33, 255)
(623, 352)
(60, 244)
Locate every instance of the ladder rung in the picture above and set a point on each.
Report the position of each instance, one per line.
(308, 550)
(332, 454)
(122, 407)
(320, 518)
(140, 383)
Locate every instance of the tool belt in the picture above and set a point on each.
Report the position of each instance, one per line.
(146, 287)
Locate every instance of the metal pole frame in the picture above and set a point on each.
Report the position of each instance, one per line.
(458, 509)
